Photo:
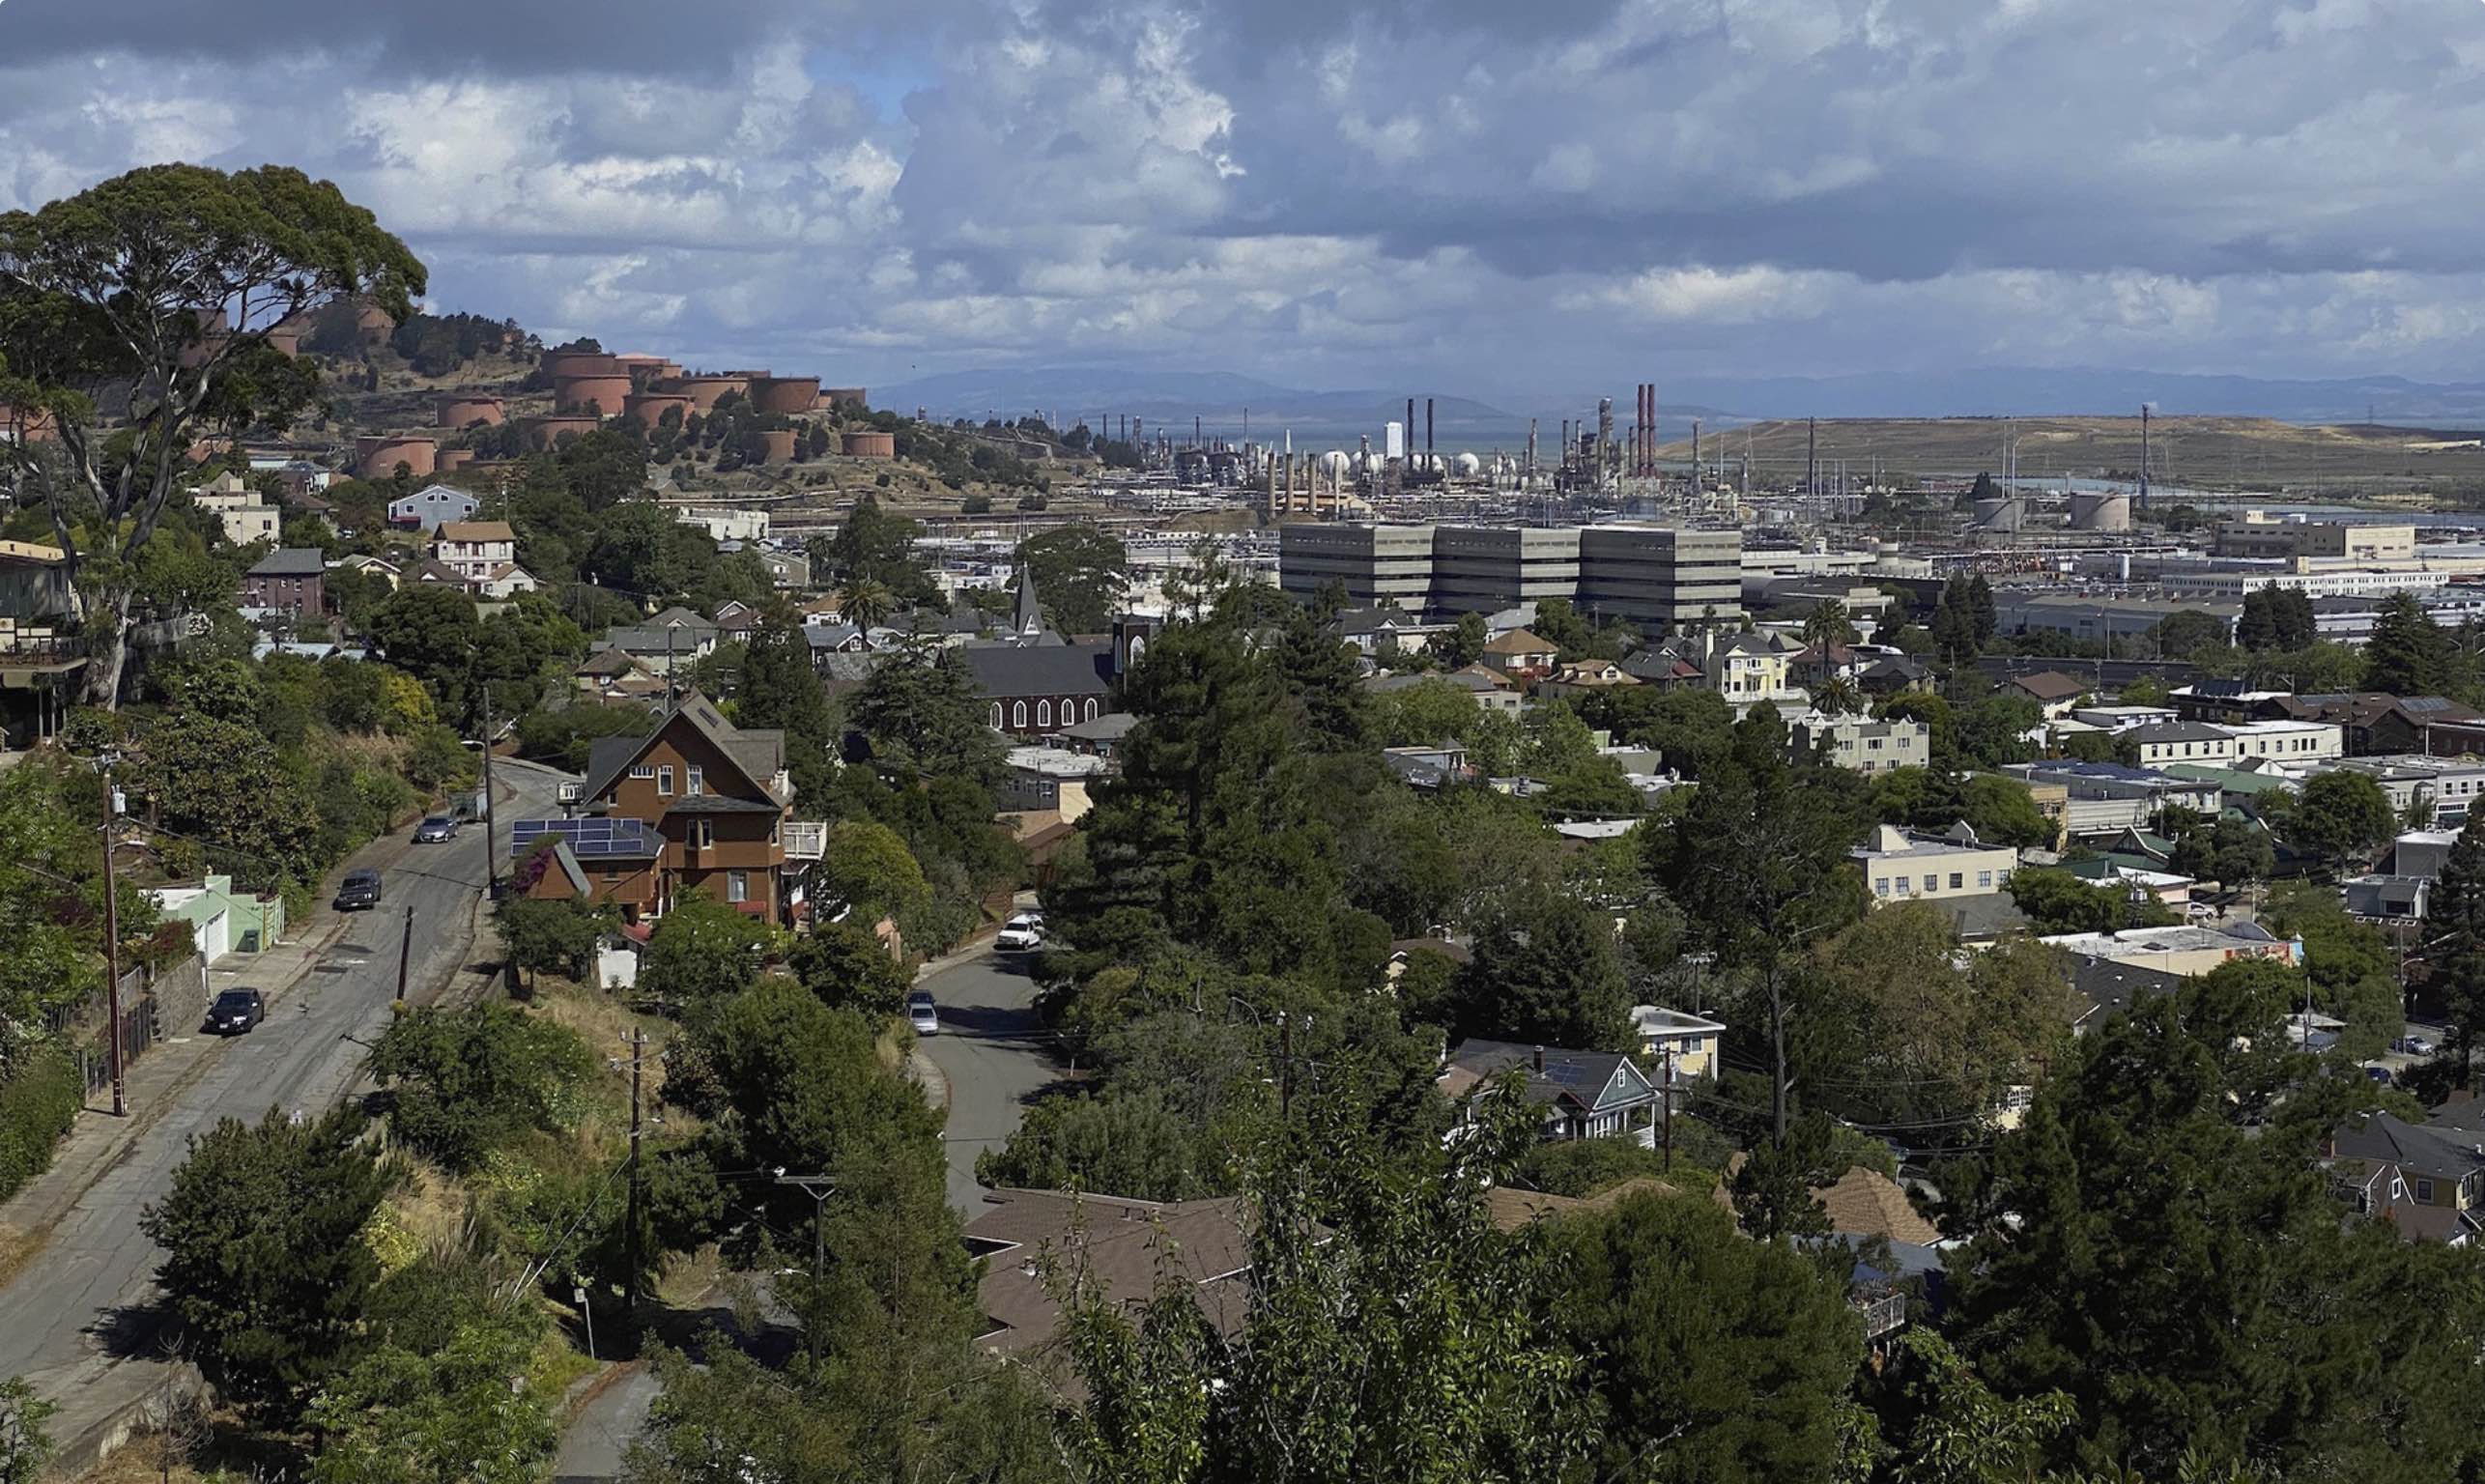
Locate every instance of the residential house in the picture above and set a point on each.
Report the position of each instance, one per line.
(697, 805)
(2377, 723)
(362, 565)
(1379, 633)
(1429, 768)
(2054, 692)
(2227, 702)
(2439, 1175)
(475, 550)
(615, 674)
(1102, 737)
(1588, 677)
(787, 569)
(2285, 740)
(2158, 744)
(1121, 1249)
(238, 506)
(1860, 744)
(1675, 1040)
(1518, 655)
(1895, 674)
(432, 506)
(1579, 1095)
(1902, 866)
(2120, 719)
(2451, 785)
(1041, 688)
(1820, 664)
(1749, 669)
(292, 581)
(1493, 690)
(2182, 950)
(222, 920)
(1667, 665)
(2107, 798)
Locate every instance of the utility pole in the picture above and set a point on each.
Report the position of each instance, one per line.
(112, 949)
(491, 851)
(1666, 1106)
(819, 1187)
(1285, 1066)
(630, 1230)
(404, 955)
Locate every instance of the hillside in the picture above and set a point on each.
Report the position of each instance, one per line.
(2208, 453)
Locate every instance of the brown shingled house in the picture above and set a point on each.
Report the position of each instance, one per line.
(1119, 1245)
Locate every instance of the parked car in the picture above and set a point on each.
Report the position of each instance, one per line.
(236, 1010)
(1023, 933)
(2381, 1074)
(2414, 1046)
(922, 1015)
(359, 890)
(435, 829)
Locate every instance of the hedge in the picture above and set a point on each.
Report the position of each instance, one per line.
(38, 1102)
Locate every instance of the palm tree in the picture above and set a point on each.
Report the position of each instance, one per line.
(1826, 625)
(1840, 695)
(866, 602)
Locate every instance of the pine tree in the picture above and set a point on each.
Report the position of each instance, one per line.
(2258, 629)
(2456, 945)
(2406, 654)
(1981, 612)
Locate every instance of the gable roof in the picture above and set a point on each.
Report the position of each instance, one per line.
(758, 755)
(1120, 1245)
(2435, 1153)
(1577, 1079)
(1518, 641)
(1867, 1203)
(290, 561)
(477, 530)
(2051, 685)
(1050, 669)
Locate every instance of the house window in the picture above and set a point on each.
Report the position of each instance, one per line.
(2424, 1192)
(738, 886)
(665, 779)
(1932, 882)
(704, 833)
(696, 784)
(1984, 879)
(1880, 886)
(1957, 882)
(1091, 708)
(1017, 713)
(1043, 713)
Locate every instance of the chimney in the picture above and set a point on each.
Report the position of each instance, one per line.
(1427, 428)
(1411, 430)
(1540, 1059)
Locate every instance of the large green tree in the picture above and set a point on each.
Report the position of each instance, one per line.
(153, 294)
(1081, 574)
(266, 1265)
(2455, 941)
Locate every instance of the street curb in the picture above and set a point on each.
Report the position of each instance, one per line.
(930, 1079)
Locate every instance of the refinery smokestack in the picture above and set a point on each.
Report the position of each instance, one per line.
(1427, 430)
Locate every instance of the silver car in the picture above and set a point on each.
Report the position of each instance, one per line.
(435, 829)
(921, 1013)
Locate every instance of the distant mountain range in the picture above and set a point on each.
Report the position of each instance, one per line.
(1169, 400)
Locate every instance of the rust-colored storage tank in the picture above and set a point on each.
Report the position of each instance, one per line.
(466, 412)
(454, 458)
(575, 393)
(378, 458)
(785, 393)
(870, 445)
(373, 322)
(705, 391)
(778, 443)
(650, 407)
(545, 432)
(844, 396)
(559, 363)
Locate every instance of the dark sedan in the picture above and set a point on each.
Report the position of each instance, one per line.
(236, 1010)
(359, 890)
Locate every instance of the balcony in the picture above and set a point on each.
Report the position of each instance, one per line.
(805, 839)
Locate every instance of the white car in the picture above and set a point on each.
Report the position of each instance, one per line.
(1020, 934)
(921, 1014)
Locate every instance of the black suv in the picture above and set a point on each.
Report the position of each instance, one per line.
(236, 1010)
(360, 890)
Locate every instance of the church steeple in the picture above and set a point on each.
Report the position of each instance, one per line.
(1029, 622)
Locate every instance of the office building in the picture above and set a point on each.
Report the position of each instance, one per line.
(1650, 576)
(2260, 535)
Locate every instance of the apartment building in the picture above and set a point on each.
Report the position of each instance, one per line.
(1860, 744)
(1900, 866)
(1651, 576)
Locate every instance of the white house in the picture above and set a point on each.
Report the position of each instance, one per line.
(430, 505)
(475, 550)
(246, 515)
(1690, 1040)
(1902, 867)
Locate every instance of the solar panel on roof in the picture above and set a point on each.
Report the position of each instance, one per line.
(592, 838)
(2425, 703)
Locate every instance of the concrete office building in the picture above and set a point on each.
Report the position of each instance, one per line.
(1383, 566)
(2260, 535)
(1653, 577)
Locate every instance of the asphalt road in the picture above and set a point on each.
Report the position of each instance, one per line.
(994, 1054)
(75, 1321)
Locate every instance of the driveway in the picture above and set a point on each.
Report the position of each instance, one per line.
(994, 1054)
(77, 1318)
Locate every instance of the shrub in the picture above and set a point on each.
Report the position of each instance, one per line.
(39, 1099)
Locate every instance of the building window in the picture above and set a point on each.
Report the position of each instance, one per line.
(1984, 879)
(1017, 713)
(1091, 708)
(996, 716)
(738, 886)
(2424, 1192)
(1043, 713)
(696, 784)
(1880, 886)
(1957, 882)
(1932, 882)
(702, 834)
(665, 779)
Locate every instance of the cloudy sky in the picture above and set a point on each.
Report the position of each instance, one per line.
(1483, 195)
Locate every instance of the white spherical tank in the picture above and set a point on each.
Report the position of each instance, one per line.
(1465, 464)
(1336, 463)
